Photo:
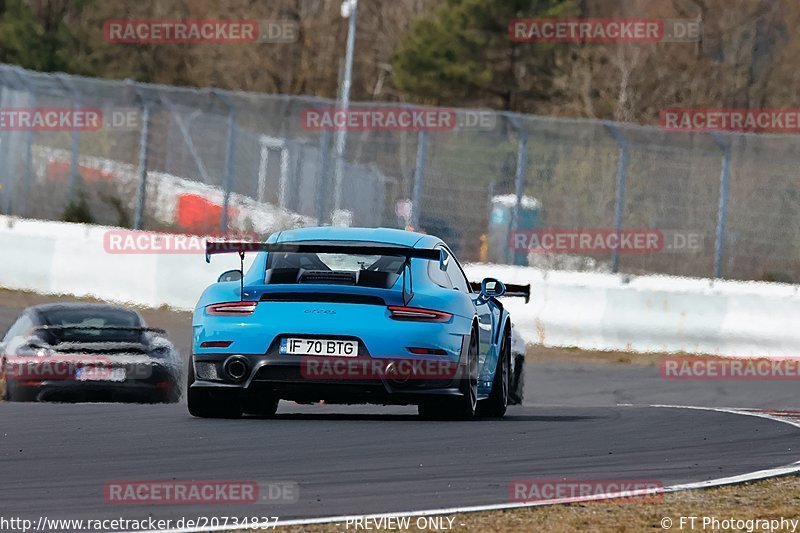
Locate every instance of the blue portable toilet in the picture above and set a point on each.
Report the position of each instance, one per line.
(500, 219)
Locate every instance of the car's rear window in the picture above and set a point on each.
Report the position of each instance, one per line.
(81, 322)
(335, 262)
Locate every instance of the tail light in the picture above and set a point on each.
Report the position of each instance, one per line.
(232, 309)
(417, 314)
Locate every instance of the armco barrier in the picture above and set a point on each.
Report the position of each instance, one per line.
(653, 313)
(61, 258)
(584, 310)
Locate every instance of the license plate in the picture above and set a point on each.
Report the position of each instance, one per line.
(331, 347)
(93, 373)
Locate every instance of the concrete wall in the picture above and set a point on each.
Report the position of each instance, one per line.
(585, 310)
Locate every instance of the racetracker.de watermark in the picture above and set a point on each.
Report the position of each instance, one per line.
(723, 368)
(571, 490)
(367, 368)
(43, 367)
(193, 523)
(145, 242)
(54, 119)
(160, 31)
(732, 119)
(395, 119)
(171, 492)
(604, 30)
(50, 119)
(601, 241)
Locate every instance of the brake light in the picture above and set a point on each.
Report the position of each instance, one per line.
(232, 309)
(418, 314)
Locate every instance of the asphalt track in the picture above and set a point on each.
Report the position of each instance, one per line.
(55, 459)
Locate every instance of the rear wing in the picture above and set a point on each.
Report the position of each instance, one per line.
(99, 328)
(213, 248)
(522, 291)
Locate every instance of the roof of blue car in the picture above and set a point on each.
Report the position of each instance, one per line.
(329, 233)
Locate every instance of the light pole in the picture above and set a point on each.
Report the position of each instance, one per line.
(349, 8)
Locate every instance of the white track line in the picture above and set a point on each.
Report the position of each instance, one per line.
(742, 478)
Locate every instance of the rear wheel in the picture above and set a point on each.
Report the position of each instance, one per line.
(211, 404)
(495, 405)
(260, 404)
(464, 406)
(173, 392)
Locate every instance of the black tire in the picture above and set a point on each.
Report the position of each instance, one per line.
(496, 404)
(260, 404)
(462, 407)
(211, 404)
(173, 396)
(432, 410)
(517, 386)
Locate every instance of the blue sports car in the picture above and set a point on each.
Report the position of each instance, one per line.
(351, 315)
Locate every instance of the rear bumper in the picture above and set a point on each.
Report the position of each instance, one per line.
(101, 391)
(289, 379)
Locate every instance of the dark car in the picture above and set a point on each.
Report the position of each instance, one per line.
(87, 352)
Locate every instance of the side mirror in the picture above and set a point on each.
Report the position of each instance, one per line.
(492, 288)
(230, 275)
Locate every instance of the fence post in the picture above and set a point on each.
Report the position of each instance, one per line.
(230, 159)
(344, 102)
(5, 176)
(74, 146)
(520, 180)
(141, 178)
(419, 179)
(621, 186)
(27, 172)
(722, 211)
(322, 177)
